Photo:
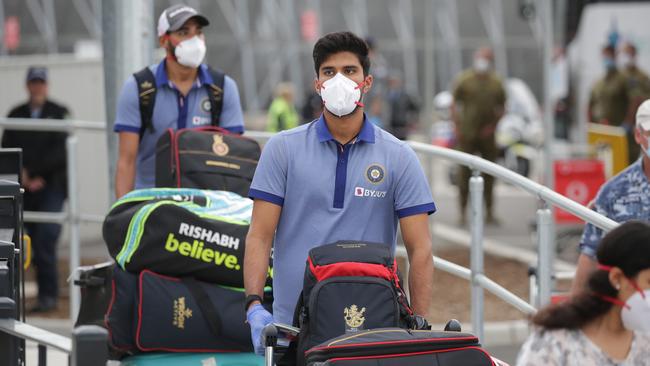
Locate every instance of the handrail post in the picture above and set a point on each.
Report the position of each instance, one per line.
(73, 219)
(89, 346)
(8, 343)
(476, 251)
(545, 250)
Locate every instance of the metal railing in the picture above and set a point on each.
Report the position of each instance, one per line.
(545, 239)
(72, 217)
(87, 347)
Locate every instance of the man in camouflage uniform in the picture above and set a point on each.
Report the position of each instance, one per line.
(623, 198)
(638, 90)
(479, 100)
(609, 100)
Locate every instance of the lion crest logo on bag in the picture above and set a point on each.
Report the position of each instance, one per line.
(219, 146)
(181, 312)
(354, 317)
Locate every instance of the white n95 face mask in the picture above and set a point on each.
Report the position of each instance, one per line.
(481, 65)
(636, 312)
(190, 52)
(341, 95)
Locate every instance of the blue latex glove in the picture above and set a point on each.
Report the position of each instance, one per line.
(257, 317)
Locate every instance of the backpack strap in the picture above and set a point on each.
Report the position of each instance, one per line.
(146, 82)
(206, 305)
(215, 94)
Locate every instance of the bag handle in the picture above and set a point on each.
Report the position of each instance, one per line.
(213, 129)
(205, 304)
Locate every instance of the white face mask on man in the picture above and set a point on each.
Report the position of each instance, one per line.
(190, 52)
(626, 60)
(646, 149)
(482, 64)
(341, 95)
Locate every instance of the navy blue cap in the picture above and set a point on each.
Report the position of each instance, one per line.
(37, 73)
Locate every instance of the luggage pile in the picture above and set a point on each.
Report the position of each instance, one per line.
(176, 283)
(353, 311)
(178, 280)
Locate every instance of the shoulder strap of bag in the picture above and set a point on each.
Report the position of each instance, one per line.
(146, 82)
(205, 305)
(215, 94)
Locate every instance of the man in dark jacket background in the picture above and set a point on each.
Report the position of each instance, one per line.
(44, 180)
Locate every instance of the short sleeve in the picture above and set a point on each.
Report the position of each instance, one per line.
(127, 118)
(270, 179)
(412, 192)
(592, 235)
(232, 117)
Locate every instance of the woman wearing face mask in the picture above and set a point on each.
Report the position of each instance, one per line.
(608, 324)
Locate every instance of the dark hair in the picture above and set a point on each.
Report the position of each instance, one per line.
(332, 43)
(625, 247)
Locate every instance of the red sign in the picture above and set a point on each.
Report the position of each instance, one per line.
(12, 33)
(309, 25)
(578, 180)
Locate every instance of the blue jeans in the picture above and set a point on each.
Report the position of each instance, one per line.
(44, 238)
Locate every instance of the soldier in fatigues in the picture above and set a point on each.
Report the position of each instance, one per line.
(638, 90)
(609, 100)
(479, 100)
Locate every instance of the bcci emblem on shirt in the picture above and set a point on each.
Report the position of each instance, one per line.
(375, 173)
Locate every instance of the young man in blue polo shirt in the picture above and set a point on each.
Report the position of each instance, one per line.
(338, 177)
(181, 99)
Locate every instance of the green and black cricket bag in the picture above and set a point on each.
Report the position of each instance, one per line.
(181, 233)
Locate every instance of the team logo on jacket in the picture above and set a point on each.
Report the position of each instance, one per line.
(181, 313)
(219, 146)
(206, 105)
(354, 318)
(375, 173)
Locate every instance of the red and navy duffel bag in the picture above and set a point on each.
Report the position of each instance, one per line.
(395, 346)
(151, 312)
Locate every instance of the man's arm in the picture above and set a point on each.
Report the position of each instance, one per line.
(125, 171)
(417, 239)
(258, 245)
(586, 265)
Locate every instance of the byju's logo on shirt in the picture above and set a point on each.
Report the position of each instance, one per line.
(363, 192)
(199, 121)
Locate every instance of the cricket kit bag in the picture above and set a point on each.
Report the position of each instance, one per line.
(152, 312)
(180, 232)
(395, 346)
(348, 287)
(206, 158)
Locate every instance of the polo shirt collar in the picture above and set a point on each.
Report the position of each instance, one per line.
(162, 79)
(367, 133)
